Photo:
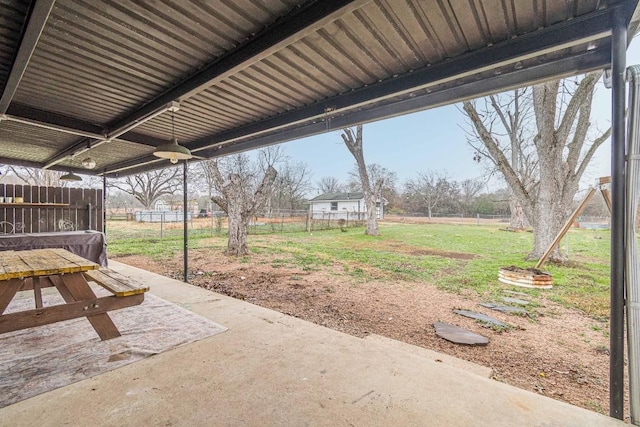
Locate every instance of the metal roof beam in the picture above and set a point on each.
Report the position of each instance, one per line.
(633, 12)
(83, 145)
(60, 123)
(50, 126)
(299, 23)
(564, 35)
(585, 63)
(472, 88)
(582, 30)
(589, 61)
(35, 25)
(38, 165)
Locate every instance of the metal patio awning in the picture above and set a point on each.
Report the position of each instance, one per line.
(101, 75)
(76, 74)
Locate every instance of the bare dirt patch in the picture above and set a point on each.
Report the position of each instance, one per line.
(445, 254)
(554, 351)
(418, 251)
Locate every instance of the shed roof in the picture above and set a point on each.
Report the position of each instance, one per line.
(337, 197)
(76, 74)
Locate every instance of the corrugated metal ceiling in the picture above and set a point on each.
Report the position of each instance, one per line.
(100, 62)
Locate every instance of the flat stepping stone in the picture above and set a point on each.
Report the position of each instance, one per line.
(515, 301)
(503, 308)
(522, 294)
(458, 335)
(481, 317)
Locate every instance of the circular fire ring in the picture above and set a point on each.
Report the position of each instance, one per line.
(525, 277)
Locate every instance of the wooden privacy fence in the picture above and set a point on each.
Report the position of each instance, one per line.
(35, 209)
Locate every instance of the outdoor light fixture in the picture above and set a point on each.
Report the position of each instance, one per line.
(70, 176)
(89, 163)
(173, 151)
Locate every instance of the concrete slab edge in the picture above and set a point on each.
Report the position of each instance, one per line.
(435, 356)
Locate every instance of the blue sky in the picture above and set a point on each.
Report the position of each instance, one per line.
(429, 140)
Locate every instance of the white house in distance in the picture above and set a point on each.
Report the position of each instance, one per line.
(161, 206)
(342, 206)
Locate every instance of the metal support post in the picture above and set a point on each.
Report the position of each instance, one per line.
(104, 204)
(618, 195)
(185, 223)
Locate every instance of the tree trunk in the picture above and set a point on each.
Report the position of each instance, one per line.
(517, 221)
(549, 216)
(545, 234)
(241, 206)
(354, 145)
(372, 219)
(237, 243)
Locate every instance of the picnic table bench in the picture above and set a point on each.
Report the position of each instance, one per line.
(69, 273)
(119, 284)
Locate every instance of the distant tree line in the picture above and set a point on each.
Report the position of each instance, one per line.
(429, 193)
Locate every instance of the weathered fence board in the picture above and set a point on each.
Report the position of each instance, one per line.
(46, 209)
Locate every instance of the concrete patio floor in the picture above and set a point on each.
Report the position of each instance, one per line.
(273, 369)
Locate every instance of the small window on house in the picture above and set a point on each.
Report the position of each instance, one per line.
(377, 204)
(334, 206)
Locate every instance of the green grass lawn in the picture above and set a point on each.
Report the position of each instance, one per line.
(452, 257)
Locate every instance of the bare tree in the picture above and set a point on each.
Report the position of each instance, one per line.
(431, 188)
(510, 118)
(147, 187)
(329, 184)
(240, 195)
(353, 141)
(270, 157)
(469, 189)
(292, 184)
(206, 176)
(377, 173)
(555, 149)
(118, 202)
(49, 178)
(40, 177)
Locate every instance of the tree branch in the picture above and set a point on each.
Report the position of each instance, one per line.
(544, 107)
(591, 151)
(222, 202)
(582, 95)
(500, 160)
(264, 190)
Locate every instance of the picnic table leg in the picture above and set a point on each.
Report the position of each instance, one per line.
(8, 290)
(64, 292)
(78, 288)
(37, 292)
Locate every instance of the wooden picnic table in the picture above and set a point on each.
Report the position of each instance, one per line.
(33, 270)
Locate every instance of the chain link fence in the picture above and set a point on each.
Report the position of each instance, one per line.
(286, 221)
(163, 225)
(461, 218)
(160, 225)
(593, 222)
